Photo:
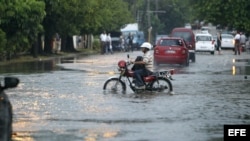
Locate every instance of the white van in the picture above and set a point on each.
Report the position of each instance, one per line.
(204, 43)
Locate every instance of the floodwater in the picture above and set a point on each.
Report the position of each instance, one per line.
(63, 100)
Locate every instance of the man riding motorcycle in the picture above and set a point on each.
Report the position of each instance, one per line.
(146, 62)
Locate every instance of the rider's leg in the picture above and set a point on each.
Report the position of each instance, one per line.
(138, 77)
(235, 49)
(238, 49)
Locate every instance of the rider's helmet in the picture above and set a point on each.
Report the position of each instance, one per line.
(122, 64)
(146, 45)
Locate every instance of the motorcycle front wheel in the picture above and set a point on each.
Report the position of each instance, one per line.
(161, 85)
(114, 85)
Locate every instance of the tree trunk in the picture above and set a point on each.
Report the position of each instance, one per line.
(40, 44)
(34, 50)
(67, 44)
(48, 43)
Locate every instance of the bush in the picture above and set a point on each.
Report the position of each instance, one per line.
(3, 42)
(96, 44)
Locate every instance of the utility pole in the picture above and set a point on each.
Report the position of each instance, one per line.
(149, 17)
(148, 13)
(149, 21)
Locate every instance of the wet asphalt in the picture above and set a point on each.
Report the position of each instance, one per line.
(62, 100)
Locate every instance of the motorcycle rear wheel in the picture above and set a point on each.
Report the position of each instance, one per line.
(114, 85)
(162, 85)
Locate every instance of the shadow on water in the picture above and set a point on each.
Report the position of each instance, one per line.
(242, 69)
(40, 66)
(243, 60)
(31, 67)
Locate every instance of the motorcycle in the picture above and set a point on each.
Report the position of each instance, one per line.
(6, 108)
(159, 81)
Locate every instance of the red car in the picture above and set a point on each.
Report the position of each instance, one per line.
(171, 50)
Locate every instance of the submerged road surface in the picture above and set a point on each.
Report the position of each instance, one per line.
(63, 100)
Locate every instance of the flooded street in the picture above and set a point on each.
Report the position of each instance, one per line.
(62, 100)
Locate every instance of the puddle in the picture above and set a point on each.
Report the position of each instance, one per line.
(243, 60)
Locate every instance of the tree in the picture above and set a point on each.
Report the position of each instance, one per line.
(226, 13)
(21, 22)
(164, 15)
(76, 17)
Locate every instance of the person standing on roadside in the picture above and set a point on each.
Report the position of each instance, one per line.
(103, 38)
(237, 44)
(130, 42)
(58, 43)
(219, 43)
(122, 43)
(109, 44)
(242, 41)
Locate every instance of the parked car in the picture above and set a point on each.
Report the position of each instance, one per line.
(171, 50)
(215, 40)
(6, 108)
(189, 37)
(204, 43)
(227, 41)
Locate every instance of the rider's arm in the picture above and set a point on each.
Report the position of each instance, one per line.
(143, 62)
(138, 62)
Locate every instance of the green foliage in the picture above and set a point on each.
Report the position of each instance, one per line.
(2, 42)
(21, 21)
(96, 44)
(175, 15)
(105, 15)
(86, 16)
(227, 13)
(83, 17)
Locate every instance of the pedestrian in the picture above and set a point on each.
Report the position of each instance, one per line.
(109, 44)
(237, 44)
(130, 42)
(79, 41)
(122, 43)
(58, 43)
(219, 39)
(103, 38)
(147, 61)
(242, 41)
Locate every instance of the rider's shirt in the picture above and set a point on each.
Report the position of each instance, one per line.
(148, 59)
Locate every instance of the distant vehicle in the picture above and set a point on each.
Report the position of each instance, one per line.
(133, 29)
(215, 40)
(138, 38)
(206, 29)
(171, 50)
(159, 37)
(115, 41)
(227, 41)
(209, 29)
(189, 37)
(188, 25)
(204, 43)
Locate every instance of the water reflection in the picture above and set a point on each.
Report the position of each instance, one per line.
(69, 105)
(243, 68)
(239, 66)
(31, 67)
